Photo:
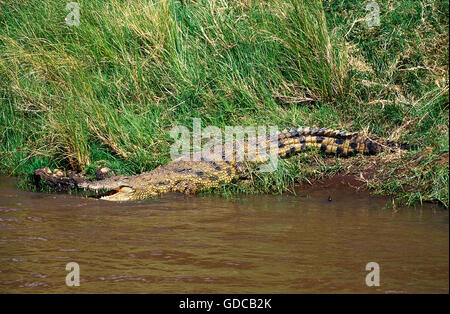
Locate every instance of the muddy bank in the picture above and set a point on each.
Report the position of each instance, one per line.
(392, 176)
(342, 181)
(338, 188)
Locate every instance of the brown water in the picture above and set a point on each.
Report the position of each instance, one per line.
(257, 244)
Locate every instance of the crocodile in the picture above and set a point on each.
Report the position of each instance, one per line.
(192, 175)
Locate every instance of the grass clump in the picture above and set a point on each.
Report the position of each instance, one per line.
(109, 91)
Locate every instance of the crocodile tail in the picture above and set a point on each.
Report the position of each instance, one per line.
(314, 131)
(335, 142)
(388, 146)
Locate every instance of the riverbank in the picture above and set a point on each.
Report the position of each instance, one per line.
(365, 180)
(108, 92)
(390, 175)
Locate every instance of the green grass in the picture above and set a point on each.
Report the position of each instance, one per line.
(109, 91)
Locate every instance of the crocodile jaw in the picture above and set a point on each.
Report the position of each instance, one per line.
(123, 193)
(115, 189)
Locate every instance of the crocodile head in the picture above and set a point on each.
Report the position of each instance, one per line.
(119, 188)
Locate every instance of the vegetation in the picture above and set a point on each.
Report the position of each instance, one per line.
(107, 92)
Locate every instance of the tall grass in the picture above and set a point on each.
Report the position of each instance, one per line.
(132, 69)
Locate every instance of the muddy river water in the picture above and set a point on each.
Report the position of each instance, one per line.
(249, 244)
